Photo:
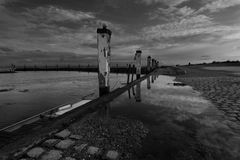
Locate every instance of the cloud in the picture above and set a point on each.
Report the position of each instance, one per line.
(171, 13)
(217, 5)
(187, 27)
(166, 2)
(52, 13)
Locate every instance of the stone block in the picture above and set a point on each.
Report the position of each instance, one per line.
(79, 148)
(76, 137)
(69, 158)
(112, 155)
(64, 144)
(51, 142)
(35, 152)
(52, 155)
(63, 134)
(93, 150)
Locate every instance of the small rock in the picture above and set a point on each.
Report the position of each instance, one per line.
(63, 134)
(35, 152)
(69, 158)
(76, 137)
(64, 144)
(80, 147)
(51, 142)
(52, 155)
(112, 155)
(93, 150)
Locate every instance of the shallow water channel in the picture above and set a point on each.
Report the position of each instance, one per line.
(182, 124)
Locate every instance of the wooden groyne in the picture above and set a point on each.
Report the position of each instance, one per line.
(78, 68)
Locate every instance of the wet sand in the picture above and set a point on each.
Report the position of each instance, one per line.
(222, 88)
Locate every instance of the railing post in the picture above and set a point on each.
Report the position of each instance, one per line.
(104, 53)
(138, 63)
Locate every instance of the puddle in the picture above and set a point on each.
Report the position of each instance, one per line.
(183, 125)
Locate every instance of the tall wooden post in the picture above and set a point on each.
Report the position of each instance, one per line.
(104, 51)
(138, 63)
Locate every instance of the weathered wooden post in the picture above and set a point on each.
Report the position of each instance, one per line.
(138, 63)
(104, 53)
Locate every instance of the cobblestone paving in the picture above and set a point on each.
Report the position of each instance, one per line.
(223, 92)
(90, 139)
(66, 146)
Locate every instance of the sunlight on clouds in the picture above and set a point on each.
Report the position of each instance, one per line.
(217, 5)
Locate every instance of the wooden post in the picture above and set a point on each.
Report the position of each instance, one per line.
(104, 53)
(149, 59)
(152, 64)
(132, 72)
(128, 73)
(138, 63)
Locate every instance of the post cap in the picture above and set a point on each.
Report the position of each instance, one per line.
(138, 51)
(104, 30)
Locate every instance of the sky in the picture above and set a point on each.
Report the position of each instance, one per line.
(172, 31)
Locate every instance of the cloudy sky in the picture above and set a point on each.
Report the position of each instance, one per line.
(173, 31)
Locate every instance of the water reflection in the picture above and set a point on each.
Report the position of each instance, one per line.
(183, 125)
(104, 111)
(148, 83)
(138, 92)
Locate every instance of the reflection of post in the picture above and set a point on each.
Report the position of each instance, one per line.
(152, 64)
(137, 59)
(148, 83)
(138, 92)
(149, 64)
(104, 50)
(104, 111)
